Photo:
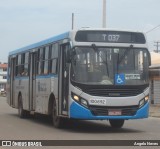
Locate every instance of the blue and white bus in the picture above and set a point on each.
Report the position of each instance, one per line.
(89, 74)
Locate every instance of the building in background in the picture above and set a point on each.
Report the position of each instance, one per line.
(155, 78)
(3, 75)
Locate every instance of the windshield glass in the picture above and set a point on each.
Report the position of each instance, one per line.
(109, 66)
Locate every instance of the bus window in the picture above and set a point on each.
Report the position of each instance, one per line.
(18, 65)
(19, 59)
(46, 60)
(41, 61)
(54, 58)
(22, 64)
(26, 64)
(16, 70)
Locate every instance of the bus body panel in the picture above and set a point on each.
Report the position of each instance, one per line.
(42, 94)
(53, 84)
(22, 88)
(45, 85)
(114, 101)
(79, 112)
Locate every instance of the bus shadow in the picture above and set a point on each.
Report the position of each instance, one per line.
(83, 126)
(80, 126)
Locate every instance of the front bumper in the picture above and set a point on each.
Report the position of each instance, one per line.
(79, 112)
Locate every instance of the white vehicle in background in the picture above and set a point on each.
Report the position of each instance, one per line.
(2, 92)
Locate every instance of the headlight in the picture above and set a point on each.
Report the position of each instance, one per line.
(84, 102)
(143, 101)
(75, 97)
(80, 100)
(146, 98)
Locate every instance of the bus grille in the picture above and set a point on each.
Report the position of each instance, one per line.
(113, 92)
(103, 111)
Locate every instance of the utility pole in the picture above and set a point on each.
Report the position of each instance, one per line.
(104, 14)
(157, 46)
(72, 21)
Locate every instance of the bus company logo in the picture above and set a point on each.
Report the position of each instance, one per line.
(6, 143)
(42, 87)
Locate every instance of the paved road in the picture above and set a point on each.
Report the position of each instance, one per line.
(40, 128)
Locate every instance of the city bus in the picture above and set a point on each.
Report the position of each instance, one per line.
(85, 74)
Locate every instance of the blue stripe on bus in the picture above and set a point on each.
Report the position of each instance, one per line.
(79, 112)
(37, 77)
(41, 43)
(21, 77)
(47, 76)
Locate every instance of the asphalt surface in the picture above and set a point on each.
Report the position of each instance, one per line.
(154, 110)
(40, 128)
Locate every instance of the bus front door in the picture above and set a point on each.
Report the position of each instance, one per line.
(32, 81)
(12, 82)
(63, 81)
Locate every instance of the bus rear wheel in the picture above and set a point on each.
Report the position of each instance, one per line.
(116, 123)
(57, 121)
(21, 112)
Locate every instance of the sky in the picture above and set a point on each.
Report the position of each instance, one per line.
(23, 22)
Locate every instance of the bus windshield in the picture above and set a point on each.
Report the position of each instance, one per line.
(110, 66)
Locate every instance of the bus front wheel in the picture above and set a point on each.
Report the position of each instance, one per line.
(116, 123)
(57, 121)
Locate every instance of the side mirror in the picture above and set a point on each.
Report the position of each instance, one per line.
(149, 57)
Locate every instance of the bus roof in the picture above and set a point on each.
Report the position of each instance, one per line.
(41, 43)
(64, 36)
(108, 29)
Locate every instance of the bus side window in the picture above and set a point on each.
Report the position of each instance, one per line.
(16, 69)
(46, 60)
(37, 62)
(18, 65)
(22, 64)
(54, 59)
(41, 57)
(26, 64)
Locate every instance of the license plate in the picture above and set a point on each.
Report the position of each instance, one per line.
(114, 112)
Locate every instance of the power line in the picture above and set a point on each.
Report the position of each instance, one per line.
(152, 29)
(157, 43)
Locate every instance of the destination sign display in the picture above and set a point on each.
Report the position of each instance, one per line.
(110, 37)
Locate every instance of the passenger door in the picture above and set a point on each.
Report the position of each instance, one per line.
(12, 81)
(63, 80)
(32, 81)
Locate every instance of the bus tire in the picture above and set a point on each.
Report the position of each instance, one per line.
(116, 123)
(21, 112)
(57, 121)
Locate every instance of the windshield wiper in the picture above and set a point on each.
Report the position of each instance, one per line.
(105, 62)
(120, 59)
(125, 53)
